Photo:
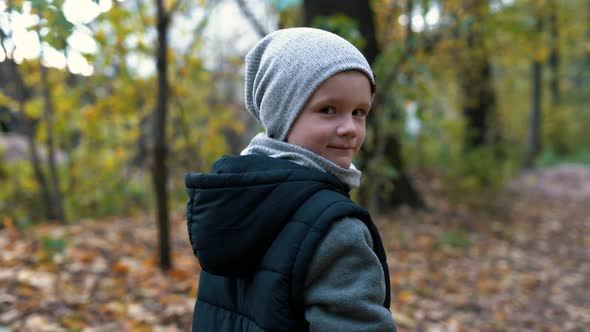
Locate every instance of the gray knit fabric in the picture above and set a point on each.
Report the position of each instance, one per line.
(345, 286)
(285, 68)
(262, 144)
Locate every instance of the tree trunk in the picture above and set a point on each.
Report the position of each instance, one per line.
(554, 56)
(409, 41)
(534, 138)
(251, 18)
(534, 135)
(160, 172)
(29, 129)
(478, 94)
(48, 113)
(22, 93)
(389, 145)
(478, 102)
(403, 190)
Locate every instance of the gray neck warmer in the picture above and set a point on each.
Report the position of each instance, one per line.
(262, 144)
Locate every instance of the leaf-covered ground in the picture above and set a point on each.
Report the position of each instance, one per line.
(520, 264)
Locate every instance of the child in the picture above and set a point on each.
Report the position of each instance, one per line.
(281, 245)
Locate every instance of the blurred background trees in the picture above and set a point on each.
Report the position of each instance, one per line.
(93, 102)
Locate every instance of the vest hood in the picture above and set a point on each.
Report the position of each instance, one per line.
(236, 211)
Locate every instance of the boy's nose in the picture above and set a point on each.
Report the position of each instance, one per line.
(347, 127)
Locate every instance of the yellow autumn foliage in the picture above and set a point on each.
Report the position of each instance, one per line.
(6, 101)
(34, 108)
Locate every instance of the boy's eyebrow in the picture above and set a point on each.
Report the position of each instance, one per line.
(325, 100)
(332, 100)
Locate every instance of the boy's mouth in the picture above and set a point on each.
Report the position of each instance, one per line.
(341, 147)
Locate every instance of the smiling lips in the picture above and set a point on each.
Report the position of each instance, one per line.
(341, 147)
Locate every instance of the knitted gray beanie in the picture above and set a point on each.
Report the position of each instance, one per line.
(285, 68)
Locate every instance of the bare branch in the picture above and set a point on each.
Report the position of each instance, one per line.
(2, 37)
(160, 6)
(251, 18)
(201, 25)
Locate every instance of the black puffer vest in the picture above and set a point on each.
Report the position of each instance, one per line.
(254, 224)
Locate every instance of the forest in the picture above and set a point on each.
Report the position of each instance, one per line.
(476, 165)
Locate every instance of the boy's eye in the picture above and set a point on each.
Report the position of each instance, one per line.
(328, 110)
(359, 113)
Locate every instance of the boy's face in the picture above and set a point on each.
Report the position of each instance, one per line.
(332, 123)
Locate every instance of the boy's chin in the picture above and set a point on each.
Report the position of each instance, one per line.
(340, 157)
(342, 163)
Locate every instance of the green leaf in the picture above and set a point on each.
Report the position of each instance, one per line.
(39, 5)
(62, 23)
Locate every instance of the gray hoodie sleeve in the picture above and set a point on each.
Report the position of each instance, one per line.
(345, 286)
